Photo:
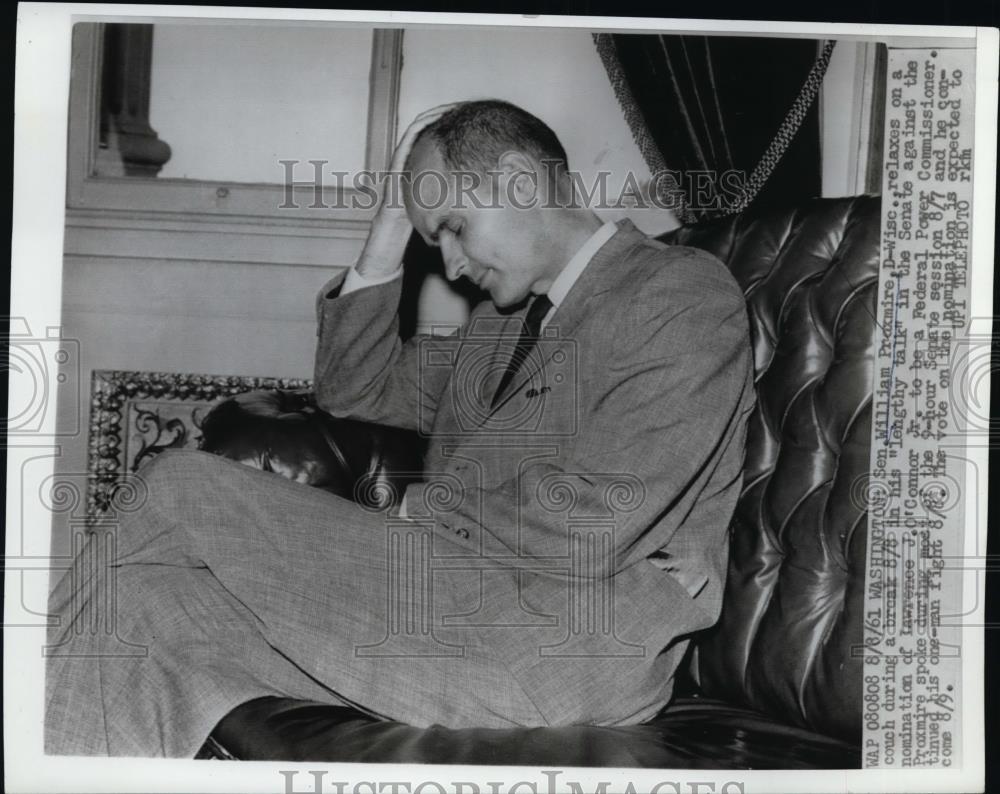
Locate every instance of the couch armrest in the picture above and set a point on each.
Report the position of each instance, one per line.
(285, 432)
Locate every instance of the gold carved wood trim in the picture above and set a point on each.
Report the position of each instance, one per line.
(135, 416)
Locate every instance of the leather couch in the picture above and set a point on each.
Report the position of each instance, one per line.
(777, 682)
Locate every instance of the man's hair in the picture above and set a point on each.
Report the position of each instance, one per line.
(474, 135)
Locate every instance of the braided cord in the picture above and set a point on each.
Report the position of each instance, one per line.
(786, 132)
(637, 124)
(769, 160)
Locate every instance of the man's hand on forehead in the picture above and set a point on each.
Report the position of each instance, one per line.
(391, 227)
(422, 120)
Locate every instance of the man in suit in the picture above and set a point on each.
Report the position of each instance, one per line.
(590, 482)
(570, 532)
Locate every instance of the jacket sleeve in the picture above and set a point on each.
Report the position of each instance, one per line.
(362, 369)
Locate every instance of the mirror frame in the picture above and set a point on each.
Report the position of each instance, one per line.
(220, 200)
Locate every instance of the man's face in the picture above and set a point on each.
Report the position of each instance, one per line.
(496, 245)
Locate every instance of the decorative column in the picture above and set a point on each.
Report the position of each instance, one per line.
(129, 145)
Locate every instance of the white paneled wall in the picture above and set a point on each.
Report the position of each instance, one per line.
(179, 315)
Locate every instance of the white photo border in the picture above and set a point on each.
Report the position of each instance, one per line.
(41, 102)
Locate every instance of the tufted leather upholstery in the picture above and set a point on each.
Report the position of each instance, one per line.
(791, 621)
(780, 674)
(286, 433)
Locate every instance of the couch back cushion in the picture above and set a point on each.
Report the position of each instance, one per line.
(789, 638)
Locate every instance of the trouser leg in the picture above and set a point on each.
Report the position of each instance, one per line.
(269, 587)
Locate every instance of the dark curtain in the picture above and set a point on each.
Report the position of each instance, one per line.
(715, 104)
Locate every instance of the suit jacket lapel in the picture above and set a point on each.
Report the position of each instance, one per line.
(600, 276)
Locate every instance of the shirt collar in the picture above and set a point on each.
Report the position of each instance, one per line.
(567, 277)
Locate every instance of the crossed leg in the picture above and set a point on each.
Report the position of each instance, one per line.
(228, 584)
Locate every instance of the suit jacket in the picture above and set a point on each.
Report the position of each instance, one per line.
(622, 438)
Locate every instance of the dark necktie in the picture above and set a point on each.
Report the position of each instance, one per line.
(529, 336)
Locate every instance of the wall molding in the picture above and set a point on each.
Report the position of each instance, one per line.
(187, 237)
